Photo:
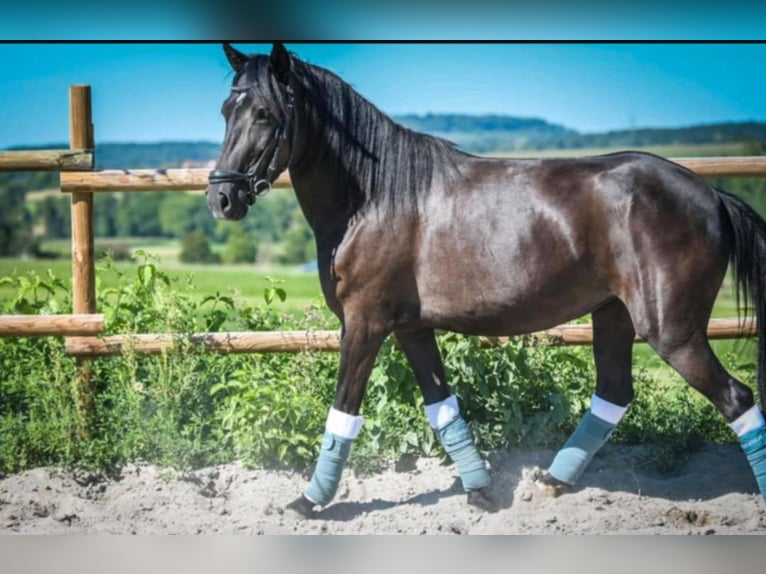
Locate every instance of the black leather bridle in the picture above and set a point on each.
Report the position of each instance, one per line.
(279, 149)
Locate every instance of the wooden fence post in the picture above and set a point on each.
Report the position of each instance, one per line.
(83, 264)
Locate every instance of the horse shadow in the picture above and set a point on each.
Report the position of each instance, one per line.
(714, 471)
(501, 492)
(346, 511)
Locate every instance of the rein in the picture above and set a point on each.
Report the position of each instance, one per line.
(260, 185)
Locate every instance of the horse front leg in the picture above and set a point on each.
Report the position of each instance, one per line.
(359, 347)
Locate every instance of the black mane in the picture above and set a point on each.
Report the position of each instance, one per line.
(381, 164)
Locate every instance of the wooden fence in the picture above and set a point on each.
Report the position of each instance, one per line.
(82, 328)
(301, 341)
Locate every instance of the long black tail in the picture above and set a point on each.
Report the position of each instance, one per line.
(748, 261)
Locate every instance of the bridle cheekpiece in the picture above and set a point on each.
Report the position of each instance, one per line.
(280, 150)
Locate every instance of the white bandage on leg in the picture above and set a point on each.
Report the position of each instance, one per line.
(748, 421)
(606, 411)
(343, 425)
(443, 412)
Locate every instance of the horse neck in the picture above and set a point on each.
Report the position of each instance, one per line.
(321, 198)
(350, 158)
(324, 179)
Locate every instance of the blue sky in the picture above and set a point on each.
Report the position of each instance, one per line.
(153, 92)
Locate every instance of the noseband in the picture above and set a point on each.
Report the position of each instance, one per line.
(259, 185)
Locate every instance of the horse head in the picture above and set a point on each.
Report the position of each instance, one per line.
(259, 124)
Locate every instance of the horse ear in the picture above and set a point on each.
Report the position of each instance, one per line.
(236, 58)
(281, 62)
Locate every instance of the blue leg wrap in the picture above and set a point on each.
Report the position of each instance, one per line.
(589, 436)
(332, 459)
(456, 438)
(754, 445)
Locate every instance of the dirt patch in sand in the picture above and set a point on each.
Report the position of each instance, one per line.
(715, 493)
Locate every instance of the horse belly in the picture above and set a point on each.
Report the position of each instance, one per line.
(482, 315)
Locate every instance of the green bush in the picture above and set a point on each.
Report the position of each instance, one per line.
(195, 248)
(189, 408)
(240, 247)
(298, 245)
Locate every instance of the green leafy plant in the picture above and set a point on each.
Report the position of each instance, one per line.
(272, 291)
(190, 408)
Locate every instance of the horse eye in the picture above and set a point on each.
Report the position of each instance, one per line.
(261, 114)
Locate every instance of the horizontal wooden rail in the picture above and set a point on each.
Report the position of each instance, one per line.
(47, 160)
(754, 166)
(582, 334)
(247, 342)
(194, 179)
(144, 180)
(298, 341)
(44, 325)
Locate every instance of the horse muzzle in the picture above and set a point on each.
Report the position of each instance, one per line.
(228, 200)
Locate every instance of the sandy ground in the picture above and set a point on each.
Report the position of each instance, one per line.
(714, 493)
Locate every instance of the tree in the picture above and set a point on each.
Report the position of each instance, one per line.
(139, 215)
(15, 221)
(106, 206)
(195, 248)
(299, 245)
(181, 213)
(240, 248)
(54, 212)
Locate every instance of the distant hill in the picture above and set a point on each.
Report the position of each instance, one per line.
(473, 133)
(488, 133)
(746, 132)
(492, 133)
(157, 155)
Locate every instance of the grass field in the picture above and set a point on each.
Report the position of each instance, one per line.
(247, 281)
(166, 248)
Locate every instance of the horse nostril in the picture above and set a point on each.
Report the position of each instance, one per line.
(223, 200)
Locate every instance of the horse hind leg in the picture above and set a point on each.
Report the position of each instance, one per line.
(695, 361)
(697, 364)
(443, 414)
(613, 335)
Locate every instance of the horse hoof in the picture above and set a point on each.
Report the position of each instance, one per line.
(481, 500)
(549, 485)
(302, 507)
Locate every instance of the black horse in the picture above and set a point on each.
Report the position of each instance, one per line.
(414, 235)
